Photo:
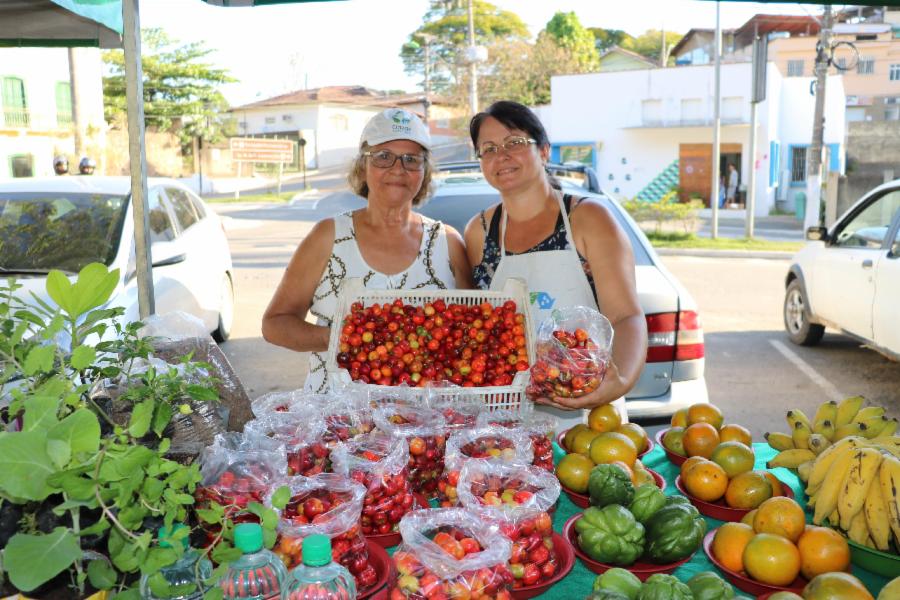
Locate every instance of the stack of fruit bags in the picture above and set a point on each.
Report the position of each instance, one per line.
(424, 430)
(540, 428)
(303, 435)
(459, 408)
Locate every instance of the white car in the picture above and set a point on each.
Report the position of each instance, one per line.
(848, 277)
(67, 222)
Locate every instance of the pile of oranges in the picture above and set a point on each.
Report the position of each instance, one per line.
(773, 545)
(698, 429)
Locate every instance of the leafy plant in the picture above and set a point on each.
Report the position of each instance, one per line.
(666, 210)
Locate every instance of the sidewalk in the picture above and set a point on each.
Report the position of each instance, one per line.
(731, 216)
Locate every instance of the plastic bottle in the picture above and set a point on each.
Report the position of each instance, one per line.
(258, 574)
(318, 577)
(192, 567)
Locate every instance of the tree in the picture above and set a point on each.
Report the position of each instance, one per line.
(179, 87)
(568, 33)
(649, 43)
(604, 39)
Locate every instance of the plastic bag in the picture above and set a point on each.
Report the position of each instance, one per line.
(449, 554)
(378, 461)
(517, 500)
(346, 418)
(400, 394)
(459, 408)
(425, 433)
(482, 443)
(540, 427)
(293, 401)
(571, 354)
(303, 436)
(328, 504)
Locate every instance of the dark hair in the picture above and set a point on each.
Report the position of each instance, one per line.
(513, 115)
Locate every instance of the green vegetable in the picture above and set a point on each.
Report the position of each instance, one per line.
(677, 499)
(607, 595)
(647, 500)
(608, 484)
(619, 580)
(673, 533)
(610, 535)
(706, 585)
(664, 587)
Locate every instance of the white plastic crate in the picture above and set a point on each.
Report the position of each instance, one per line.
(511, 397)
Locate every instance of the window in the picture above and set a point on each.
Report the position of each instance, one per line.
(287, 118)
(270, 120)
(161, 228)
(868, 227)
(865, 66)
(21, 165)
(198, 205)
(339, 123)
(582, 154)
(892, 114)
(181, 204)
(894, 74)
(795, 68)
(15, 107)
(732, 107)
(651, 111)
(895, 247)
(691, 109)
(798, 164)
(63, 103)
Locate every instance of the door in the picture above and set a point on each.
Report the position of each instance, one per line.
(694, 163)
(887, 292)
(844, 273)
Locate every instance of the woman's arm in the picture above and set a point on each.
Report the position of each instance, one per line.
(459, 261)
(284, 322)
(604, 244)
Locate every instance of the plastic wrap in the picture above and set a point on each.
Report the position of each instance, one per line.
(303, 435)
(328, 504)
(347, 418)
(459, 408)
(292, 401)
(425, 433)
(378, 461)
(572, 352)
(540, 427)
(516, 500)
(481, 443)
(447, 553)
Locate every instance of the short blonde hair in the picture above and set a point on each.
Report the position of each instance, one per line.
(357, 177)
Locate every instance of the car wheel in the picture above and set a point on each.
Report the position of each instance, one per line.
(226, 310)
(796, 317)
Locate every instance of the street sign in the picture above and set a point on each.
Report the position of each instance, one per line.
(261, 150)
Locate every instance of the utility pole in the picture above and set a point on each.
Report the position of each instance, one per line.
(473, 65)
(814, 159)
(717, 122)
(758, 94)
(427, 102)
(75, 94)
(662, 48)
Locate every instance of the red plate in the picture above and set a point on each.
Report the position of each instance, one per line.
(562, 434)
(565, 554)
(384, 567)
(584, 500)
(720, 510)
(386, 540)
(642, 570)
(675, 459)
(743, 582)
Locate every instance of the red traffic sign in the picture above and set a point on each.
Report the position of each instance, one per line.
(261, 150)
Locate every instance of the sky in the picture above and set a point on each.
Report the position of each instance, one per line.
(276, 49)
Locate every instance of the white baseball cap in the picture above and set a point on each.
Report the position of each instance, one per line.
(395, 124)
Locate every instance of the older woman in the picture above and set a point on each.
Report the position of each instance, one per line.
(386, 244)
(570, 249)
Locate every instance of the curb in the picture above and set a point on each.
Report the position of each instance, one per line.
(704, 253)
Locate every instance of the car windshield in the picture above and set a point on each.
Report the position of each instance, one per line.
(40, 231)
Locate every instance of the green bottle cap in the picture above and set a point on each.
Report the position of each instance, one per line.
(248, 537)
(316, 550)
(163, 534)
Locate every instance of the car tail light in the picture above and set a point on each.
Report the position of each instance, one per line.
(674, 336)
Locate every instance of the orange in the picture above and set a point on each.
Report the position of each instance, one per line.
(569, 437)
(636, 434)
(782, 516)
(705, 480)
(673, 440)
(734, 457)
(705, 413)
(748, 490)
(690, 462)
(700, 439)
(836, 586)
(604, 418)
(729, 542)
(777, 489)
(611, 446)
(628, 470)
(771, 559)
(573, 472)
(784, 596)
(748, 518)
(822, 550)
(581, 443)
(641, 474)
(679, 418)
(735, 433)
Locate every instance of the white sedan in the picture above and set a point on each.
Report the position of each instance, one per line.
(67, 222)
(848, 276)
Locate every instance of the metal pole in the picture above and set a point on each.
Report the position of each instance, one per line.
(473, 66)
(760, 60)
(237, 190)
(814, 159)
(200, 162)
(74, 92)
(134, 95)
(280, 169)
(427, 78)
(714, 201)
(751, 184)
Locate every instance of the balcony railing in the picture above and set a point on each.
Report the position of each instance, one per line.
(16, 117)
(23, 118)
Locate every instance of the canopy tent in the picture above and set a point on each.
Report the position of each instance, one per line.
(66, 23)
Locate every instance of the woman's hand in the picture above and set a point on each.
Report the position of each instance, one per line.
(611, 388)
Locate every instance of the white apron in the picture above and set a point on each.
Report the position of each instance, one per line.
(555, 279)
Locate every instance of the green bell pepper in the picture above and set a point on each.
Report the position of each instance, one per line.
(664, 587)
(707, 585)
(610, 535)
(673, 533)
(619, 580)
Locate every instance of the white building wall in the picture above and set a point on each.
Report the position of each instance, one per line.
(339, 130)
(275, 119)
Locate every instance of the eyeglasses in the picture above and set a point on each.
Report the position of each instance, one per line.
(384, 159)
(513, 145)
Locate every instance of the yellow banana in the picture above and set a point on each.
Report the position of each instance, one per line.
(778, 440)
(889, 481)
(818, 443)
(825, 460)
(800, 434)
(824, 427)
(791, 458)
(877, 517)
(867, 413)
(834, 517)
(827, 496)
(874, 426)
(847, 409)
(827, 411)
(889, 429)
(852, 495)
(856, 529)
(795, 415)
(849, 429)
(804, 469)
